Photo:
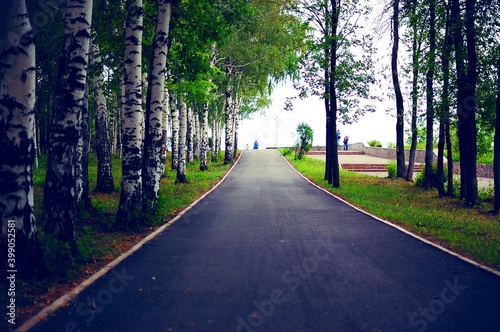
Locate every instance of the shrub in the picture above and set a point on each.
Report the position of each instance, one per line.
(419, 178)
(392, 169)
(304, 140)
(374, 143)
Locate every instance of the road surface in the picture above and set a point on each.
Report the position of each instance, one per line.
(267, 251)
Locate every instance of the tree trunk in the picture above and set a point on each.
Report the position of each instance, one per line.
(466, 103)
(414, 93)
(190, 135)
(154, 107)
(103, 143)
(164, 134)
(130, 205)
(181, 166)
(215, 139)
(400, 152)
(429, 137)
(196, 138)
(496, 159)
(60, 201)
(204, 138)
(228, 110)
(83, 191)
(175, 133)
(17, 120)
(445, 113)
(334, 180)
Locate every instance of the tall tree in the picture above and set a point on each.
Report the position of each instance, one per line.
(132, 123)
(17, 121)
(466, 61)
(400, 153)
(181, 148)
(60, 200)
(153, 141)
(429, 140)
(103, 143)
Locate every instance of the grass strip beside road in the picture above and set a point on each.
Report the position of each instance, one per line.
(472, 232)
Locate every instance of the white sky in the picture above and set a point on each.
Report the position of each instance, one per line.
(264, 128)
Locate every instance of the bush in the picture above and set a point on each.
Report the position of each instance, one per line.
(304, 141)
(374, 143)
(419, 178)
(392, 168)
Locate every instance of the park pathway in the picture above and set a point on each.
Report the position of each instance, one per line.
(267, 251)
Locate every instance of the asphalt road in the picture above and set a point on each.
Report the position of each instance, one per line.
(267, 251)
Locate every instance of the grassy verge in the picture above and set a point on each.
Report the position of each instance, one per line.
(471, 232)
(98, 243)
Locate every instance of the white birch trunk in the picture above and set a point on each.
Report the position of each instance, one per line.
(103, 143)
(204, 138)
(196, 138)
(154, 107)
(175, 133)
(181, 166)
(164, 134)
(60, 209)
(229, 123)
(17, 143)
(190, 135)
(133, 122)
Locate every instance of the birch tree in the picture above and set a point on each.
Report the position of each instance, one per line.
(103, 143)
(17, 121)
(60, 201)
(174, 109)
(204, 138)
(154, 107)
(181, 149)
(132, 140)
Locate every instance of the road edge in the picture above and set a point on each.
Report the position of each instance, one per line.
(418, 237)
(68, 297)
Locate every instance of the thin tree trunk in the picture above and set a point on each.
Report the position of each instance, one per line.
(60, 200)
(414, 94)
(181, 167)
(154, 108)
(228, 155)
(204, 138)
(129, 210)
(215, 139)
(17, 121)
(496, 159)
(103, 143)
(400, 153)
(196, 137)
(429, 137)
(334, 180)
(445, 114)
(83, 197)
(190, 135)
(175, 133)
(164, 134)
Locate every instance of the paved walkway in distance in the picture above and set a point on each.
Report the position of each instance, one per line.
(267, 251)
(366, 159)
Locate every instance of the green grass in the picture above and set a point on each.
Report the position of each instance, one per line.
(471, 232)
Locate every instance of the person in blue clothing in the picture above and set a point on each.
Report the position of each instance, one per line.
(338, 137)
(255, 145)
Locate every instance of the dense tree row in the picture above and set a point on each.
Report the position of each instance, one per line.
(134, 67)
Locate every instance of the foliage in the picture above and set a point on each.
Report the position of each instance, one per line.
(374, 143)
(392, 169)
(304, 140)
(419, 178)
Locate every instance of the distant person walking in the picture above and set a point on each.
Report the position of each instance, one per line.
(255, 145)
(346, 143)
(338, 137)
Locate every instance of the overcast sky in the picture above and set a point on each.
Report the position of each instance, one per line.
(279, 124)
